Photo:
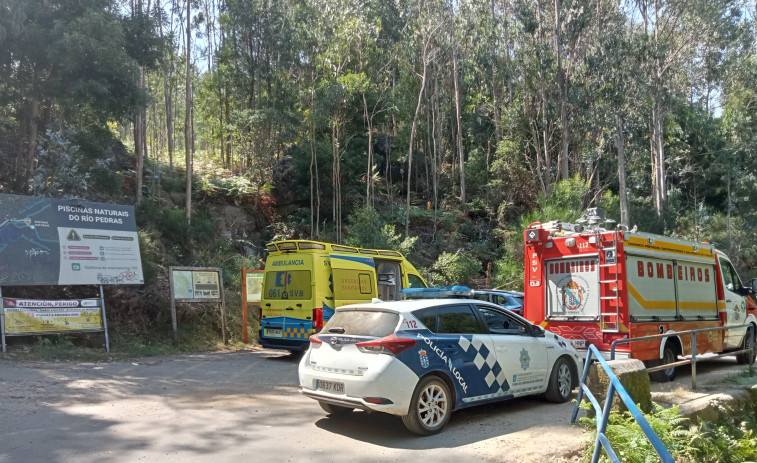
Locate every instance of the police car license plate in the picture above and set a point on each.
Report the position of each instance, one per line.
(329, 386)
(274, 332)
(578, 343)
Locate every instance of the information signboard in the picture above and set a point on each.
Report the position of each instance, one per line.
(46, 241)
(27, 316)
(254, 288)
(196, 284)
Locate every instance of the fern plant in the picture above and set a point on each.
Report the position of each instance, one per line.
(631, 444)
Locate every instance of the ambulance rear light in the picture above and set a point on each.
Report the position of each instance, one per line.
(318, 318)
(287, 246)
(312, 246)
(391, 345)
(271, 247)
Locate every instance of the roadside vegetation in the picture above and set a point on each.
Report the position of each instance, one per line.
(731, 439)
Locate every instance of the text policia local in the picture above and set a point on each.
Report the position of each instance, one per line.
(93, 214)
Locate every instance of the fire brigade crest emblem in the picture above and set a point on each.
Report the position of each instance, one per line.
(424, 358)
(573, 296)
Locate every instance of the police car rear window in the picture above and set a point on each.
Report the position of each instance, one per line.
(362, 323)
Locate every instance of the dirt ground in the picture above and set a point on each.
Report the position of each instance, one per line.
(227, 406)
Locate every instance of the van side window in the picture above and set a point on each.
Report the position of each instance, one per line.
(414, 281)
(730, 277)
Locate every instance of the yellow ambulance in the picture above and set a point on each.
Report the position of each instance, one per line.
(305, 281)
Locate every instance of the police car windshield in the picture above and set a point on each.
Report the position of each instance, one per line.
(363, 323)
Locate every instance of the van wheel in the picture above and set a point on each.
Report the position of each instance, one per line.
(336, 410)
(560, 382)
(668, 374)
(430, 407)
(747, 358)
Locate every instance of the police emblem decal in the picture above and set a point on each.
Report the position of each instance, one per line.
(525, 359)
(424, 358)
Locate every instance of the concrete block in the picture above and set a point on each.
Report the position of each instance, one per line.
(632, 375)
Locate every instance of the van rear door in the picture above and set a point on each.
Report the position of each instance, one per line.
(287, 302)
(353, 278)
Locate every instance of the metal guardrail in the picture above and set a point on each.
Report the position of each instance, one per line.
(693, 359)
(615, 386)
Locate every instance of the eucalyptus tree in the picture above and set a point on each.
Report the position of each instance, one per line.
(675, 29)
(67, 61)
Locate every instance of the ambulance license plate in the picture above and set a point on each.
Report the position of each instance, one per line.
(578, 343)
(273, 332)
(329, 386)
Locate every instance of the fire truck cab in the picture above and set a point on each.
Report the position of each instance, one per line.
(593, 285)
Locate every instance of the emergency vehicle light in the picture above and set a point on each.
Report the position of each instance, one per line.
(287, 246)
(436, 293)
(271, 247)
(343, 248)
(312, 246)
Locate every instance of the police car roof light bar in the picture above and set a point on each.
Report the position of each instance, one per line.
(436, 293)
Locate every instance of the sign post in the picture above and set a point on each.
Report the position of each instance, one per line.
(252, 288)
(196, 284)
(2, 318)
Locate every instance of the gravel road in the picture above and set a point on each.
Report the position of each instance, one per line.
(242, 405)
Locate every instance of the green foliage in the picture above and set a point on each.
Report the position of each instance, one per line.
(454, 269)
(366, 230)
(58, 173)
(629, 441)
(730, 440)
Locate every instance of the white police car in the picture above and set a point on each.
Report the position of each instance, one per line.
(421, 359)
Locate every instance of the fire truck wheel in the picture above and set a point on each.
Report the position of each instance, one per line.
(668, 374)
(560, 382)
(747, 358)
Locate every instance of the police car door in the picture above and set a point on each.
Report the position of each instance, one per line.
(522, 356)
(460, 346)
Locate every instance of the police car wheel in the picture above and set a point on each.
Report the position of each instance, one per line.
(430, 407)
(560, 382)
(747, 358)
(336, 410)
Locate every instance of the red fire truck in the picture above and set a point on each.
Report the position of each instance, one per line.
(594, 285)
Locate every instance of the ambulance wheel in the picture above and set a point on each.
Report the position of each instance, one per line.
(336, 410)
(560, 382)
(430, 407)
(668, 374)
(747, 358)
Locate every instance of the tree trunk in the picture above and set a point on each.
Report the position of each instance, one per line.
(31, 155)
(562, 158)
(139, 135)
(458, 117)
(412, 140)
(189, 144)
(625, 213)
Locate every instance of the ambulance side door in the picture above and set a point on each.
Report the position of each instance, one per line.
(522, 356)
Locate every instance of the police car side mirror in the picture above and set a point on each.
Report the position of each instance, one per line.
(536, 331)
